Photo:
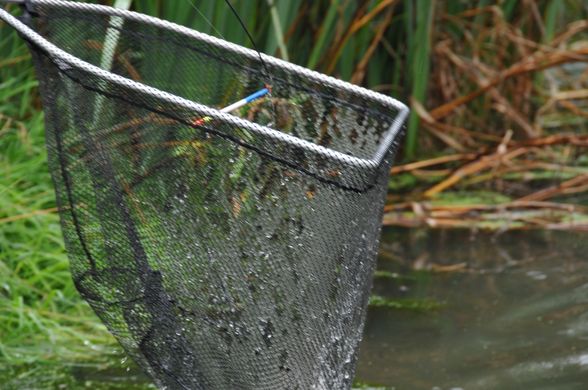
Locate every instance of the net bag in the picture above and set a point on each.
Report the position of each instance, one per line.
(223, 251)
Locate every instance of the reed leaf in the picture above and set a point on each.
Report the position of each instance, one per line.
(325, 31)
(419, 62)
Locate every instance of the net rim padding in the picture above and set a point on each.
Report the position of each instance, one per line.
(68, 61)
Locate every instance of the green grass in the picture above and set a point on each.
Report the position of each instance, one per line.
(43, 321)
(421, 305)
(45, 327)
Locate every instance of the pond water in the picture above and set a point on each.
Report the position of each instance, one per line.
(513, 312)
(480, 311)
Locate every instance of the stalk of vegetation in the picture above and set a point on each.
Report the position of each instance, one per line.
(418, 62)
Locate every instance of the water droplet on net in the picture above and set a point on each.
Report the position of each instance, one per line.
(266, 329)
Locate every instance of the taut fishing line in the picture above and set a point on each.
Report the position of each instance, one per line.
(268, 84)
(268, 74)
(205, 18)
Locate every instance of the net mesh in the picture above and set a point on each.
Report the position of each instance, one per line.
(220, 255)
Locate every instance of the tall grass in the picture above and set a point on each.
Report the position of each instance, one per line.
(419, 28)
(43, 321)
(387, 45)
(415, 50)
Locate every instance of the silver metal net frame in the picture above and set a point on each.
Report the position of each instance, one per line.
(235, 252)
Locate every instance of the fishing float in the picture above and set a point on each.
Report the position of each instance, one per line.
(235, 106)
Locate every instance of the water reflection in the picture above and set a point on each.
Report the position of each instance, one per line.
(514, 313)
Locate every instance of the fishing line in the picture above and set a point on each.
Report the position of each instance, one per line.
(263, 64)
(267, 75)
(205, 19)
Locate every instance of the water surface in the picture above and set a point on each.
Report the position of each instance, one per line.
(513, 312)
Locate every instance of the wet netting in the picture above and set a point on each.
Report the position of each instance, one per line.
(223, 250)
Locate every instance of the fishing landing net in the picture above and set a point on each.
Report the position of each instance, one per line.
(223, 251)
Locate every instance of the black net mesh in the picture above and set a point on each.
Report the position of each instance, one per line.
(221, 255)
